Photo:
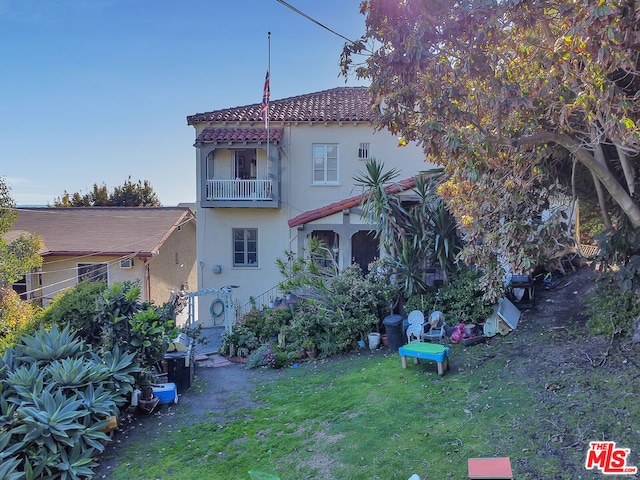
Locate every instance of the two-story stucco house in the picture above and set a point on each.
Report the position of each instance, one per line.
(155, 245)
(262, 192)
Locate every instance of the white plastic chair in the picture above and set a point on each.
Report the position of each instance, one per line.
(415, 329)
(436, 331)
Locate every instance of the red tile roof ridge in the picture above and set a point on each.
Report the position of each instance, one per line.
(331, 105)
(350, 202)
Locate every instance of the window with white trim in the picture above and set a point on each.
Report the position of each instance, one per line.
(325, 164)
(245, 247)
(92, 272)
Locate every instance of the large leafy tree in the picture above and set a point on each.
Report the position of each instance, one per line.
(129, 194)
(511, 97)
(19, 253)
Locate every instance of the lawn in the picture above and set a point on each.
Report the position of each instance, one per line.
(537, 395)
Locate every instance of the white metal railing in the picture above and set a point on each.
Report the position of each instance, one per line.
(239, 189)
(269, 299)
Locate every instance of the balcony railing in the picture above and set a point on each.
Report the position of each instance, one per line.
(239, 189)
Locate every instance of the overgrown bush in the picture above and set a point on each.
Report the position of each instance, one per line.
(261, 357)
(77, 307)
(17, 317)
(611, 312)
(56, 396)
(134, 326)
(338, 308)
(461, 300)
(240, 337)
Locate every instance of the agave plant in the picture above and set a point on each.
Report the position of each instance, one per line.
(9, 469)
(99, 402)
(75, 372)
(27, 381)
(54, 403)
(120, 367)
(47, 345)
(52, 420)
(76, 464)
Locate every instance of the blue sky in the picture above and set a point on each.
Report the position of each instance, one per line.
(96, 91)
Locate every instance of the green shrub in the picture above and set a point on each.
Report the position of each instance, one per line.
(134, 326)
(261, 357)
(336, 308)
(17, 318)
(460, 300)
(77, 307)
(240, 337)
(610, 311)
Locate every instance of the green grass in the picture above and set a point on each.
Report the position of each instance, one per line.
(365, 417)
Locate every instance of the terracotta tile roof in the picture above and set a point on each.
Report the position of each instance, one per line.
(102, 230)
(351, 202)
(341, 104)
(240, 135)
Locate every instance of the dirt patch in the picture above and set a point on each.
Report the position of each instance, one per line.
(221, 391)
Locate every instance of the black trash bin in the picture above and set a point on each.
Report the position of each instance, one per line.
(393, 327)
(181, 362)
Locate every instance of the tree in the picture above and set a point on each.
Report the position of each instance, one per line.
(20, 254)
(511, 97)
(130, 194)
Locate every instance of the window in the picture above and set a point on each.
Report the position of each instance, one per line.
(126, 263)
(92, 272)
(20, 287)
(325, 164)
(245, 247)
(363, 151)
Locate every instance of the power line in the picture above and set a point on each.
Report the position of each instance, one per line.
(314, 21)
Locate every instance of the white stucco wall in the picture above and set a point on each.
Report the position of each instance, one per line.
(298, 195)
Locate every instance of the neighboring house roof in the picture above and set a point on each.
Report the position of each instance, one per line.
(350, 202)
(109, 231)
(342, 104)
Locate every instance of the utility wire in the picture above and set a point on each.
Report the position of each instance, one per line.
(314, 20)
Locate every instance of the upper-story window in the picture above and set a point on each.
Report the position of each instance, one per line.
(363, 151)
(325, 164)
(245, 247)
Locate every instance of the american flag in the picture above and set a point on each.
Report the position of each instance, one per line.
(265, 101)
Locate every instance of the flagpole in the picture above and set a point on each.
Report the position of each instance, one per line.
(267, 121)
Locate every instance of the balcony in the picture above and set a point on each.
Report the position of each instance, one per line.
(241, 193)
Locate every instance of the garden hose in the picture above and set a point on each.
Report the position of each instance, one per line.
(216, 310)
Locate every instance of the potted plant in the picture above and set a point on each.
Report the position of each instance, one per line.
(147, 400)
(310, 348)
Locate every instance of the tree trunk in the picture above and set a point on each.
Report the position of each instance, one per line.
(586, 157)
(602, 201)
(627, 169)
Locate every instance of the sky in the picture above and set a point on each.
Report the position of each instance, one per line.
(98, 91)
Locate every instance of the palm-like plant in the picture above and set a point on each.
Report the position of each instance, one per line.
(380, 208)
(422, 230)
